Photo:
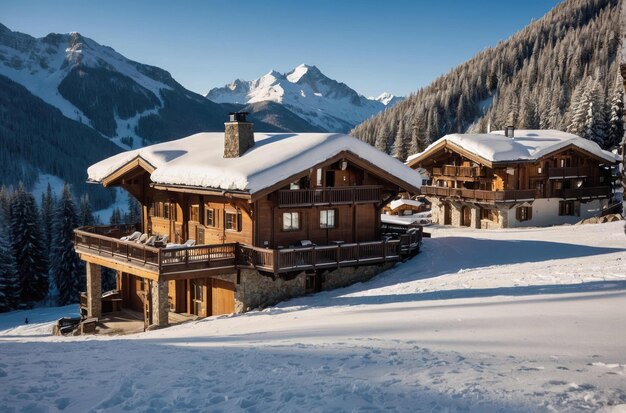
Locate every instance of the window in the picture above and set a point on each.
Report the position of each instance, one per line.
(291, 221)
(524, 213)
(194, 213)
(539, 170)
(209, 214)
(294, 185)
(166, 210)
(319, 177)
(566, 208)
(327, 218)
(232, 221)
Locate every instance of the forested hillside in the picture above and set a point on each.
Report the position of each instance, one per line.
(36, 138)
(560, 72)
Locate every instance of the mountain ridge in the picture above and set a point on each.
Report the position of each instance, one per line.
(305, 91)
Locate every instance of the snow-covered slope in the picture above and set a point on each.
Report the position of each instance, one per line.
(481, 321)
(42, 64)
(307, 92)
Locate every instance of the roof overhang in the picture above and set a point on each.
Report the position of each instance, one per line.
(130, 167)
(444, 144)
(351, 157)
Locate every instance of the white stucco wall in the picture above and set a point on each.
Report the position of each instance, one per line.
(546, 213)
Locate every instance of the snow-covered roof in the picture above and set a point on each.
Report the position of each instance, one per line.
(399, 202)
(525, 145)
(198, 161)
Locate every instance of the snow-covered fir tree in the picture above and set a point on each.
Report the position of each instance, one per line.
(65, 266)
(5, 202)
(9, 282)
(48, 201)
(616, 116)
(116, 217)
(399, 147)
(133, 216)
(85, 215)
(28, 248)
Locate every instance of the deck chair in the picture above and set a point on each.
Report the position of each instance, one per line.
(150, 242)
(160, 241)
(132, 237)
(142, 239)
(190, 243)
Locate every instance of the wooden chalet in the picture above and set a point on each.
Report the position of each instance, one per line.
(250, 219)
(516, 178)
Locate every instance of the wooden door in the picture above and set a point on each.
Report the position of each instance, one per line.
(136, 292)
(198, 297)
(466, 217)
(222, 297)
(447, 214)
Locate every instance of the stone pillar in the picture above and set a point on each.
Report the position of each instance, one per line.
(475, 217)
(456, 214)
(160, 305)
(94, 290)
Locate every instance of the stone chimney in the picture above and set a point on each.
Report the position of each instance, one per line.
(238, 137)
(509, 131)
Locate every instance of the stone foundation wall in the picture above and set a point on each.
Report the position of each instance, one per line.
(259, 291)
(343, 277)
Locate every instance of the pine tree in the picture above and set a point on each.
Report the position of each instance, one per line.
(9, 281)
(382, 138)
(616, 116)
(65, 265)
(28, 248)
(399, 147)
(85, 216)
(48, 201)
(134, 211)
(116, 217)
(5, 203)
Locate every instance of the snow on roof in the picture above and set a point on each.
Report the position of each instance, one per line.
(525, 145)
(197, 160)
(399, 202)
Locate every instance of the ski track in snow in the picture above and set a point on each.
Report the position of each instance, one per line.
(470, 324)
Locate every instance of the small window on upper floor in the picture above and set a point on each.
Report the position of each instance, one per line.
(232, 221)
(209, 215)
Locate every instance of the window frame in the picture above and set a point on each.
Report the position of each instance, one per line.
(236, 221)
(209, 222)
(291, 228)
(325, 225)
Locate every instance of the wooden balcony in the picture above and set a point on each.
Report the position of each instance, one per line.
(330, 196)
(182, 262)
(581, 193)
(569, 172)
(459, 171)
(480, 195)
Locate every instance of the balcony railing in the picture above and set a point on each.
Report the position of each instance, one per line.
(577, 193)
(459, 171)
(569, 172)
(330, 196)
(480, 195)
(232, 256)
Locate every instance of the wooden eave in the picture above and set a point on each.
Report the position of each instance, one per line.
(445, 144)
(137, 162)
(351, 157)
(200, 190)
(493, 164)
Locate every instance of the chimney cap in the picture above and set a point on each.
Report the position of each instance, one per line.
(238, 116)
(509, 131)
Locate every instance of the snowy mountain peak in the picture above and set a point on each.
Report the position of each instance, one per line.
(303, 70)
(308, 93)
(387, 99)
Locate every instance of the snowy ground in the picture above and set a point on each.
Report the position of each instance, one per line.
(509, 320)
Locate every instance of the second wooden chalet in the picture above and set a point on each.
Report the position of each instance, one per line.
(516, 178)
(237, 220)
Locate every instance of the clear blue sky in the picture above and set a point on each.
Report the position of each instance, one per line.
(373, 46)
